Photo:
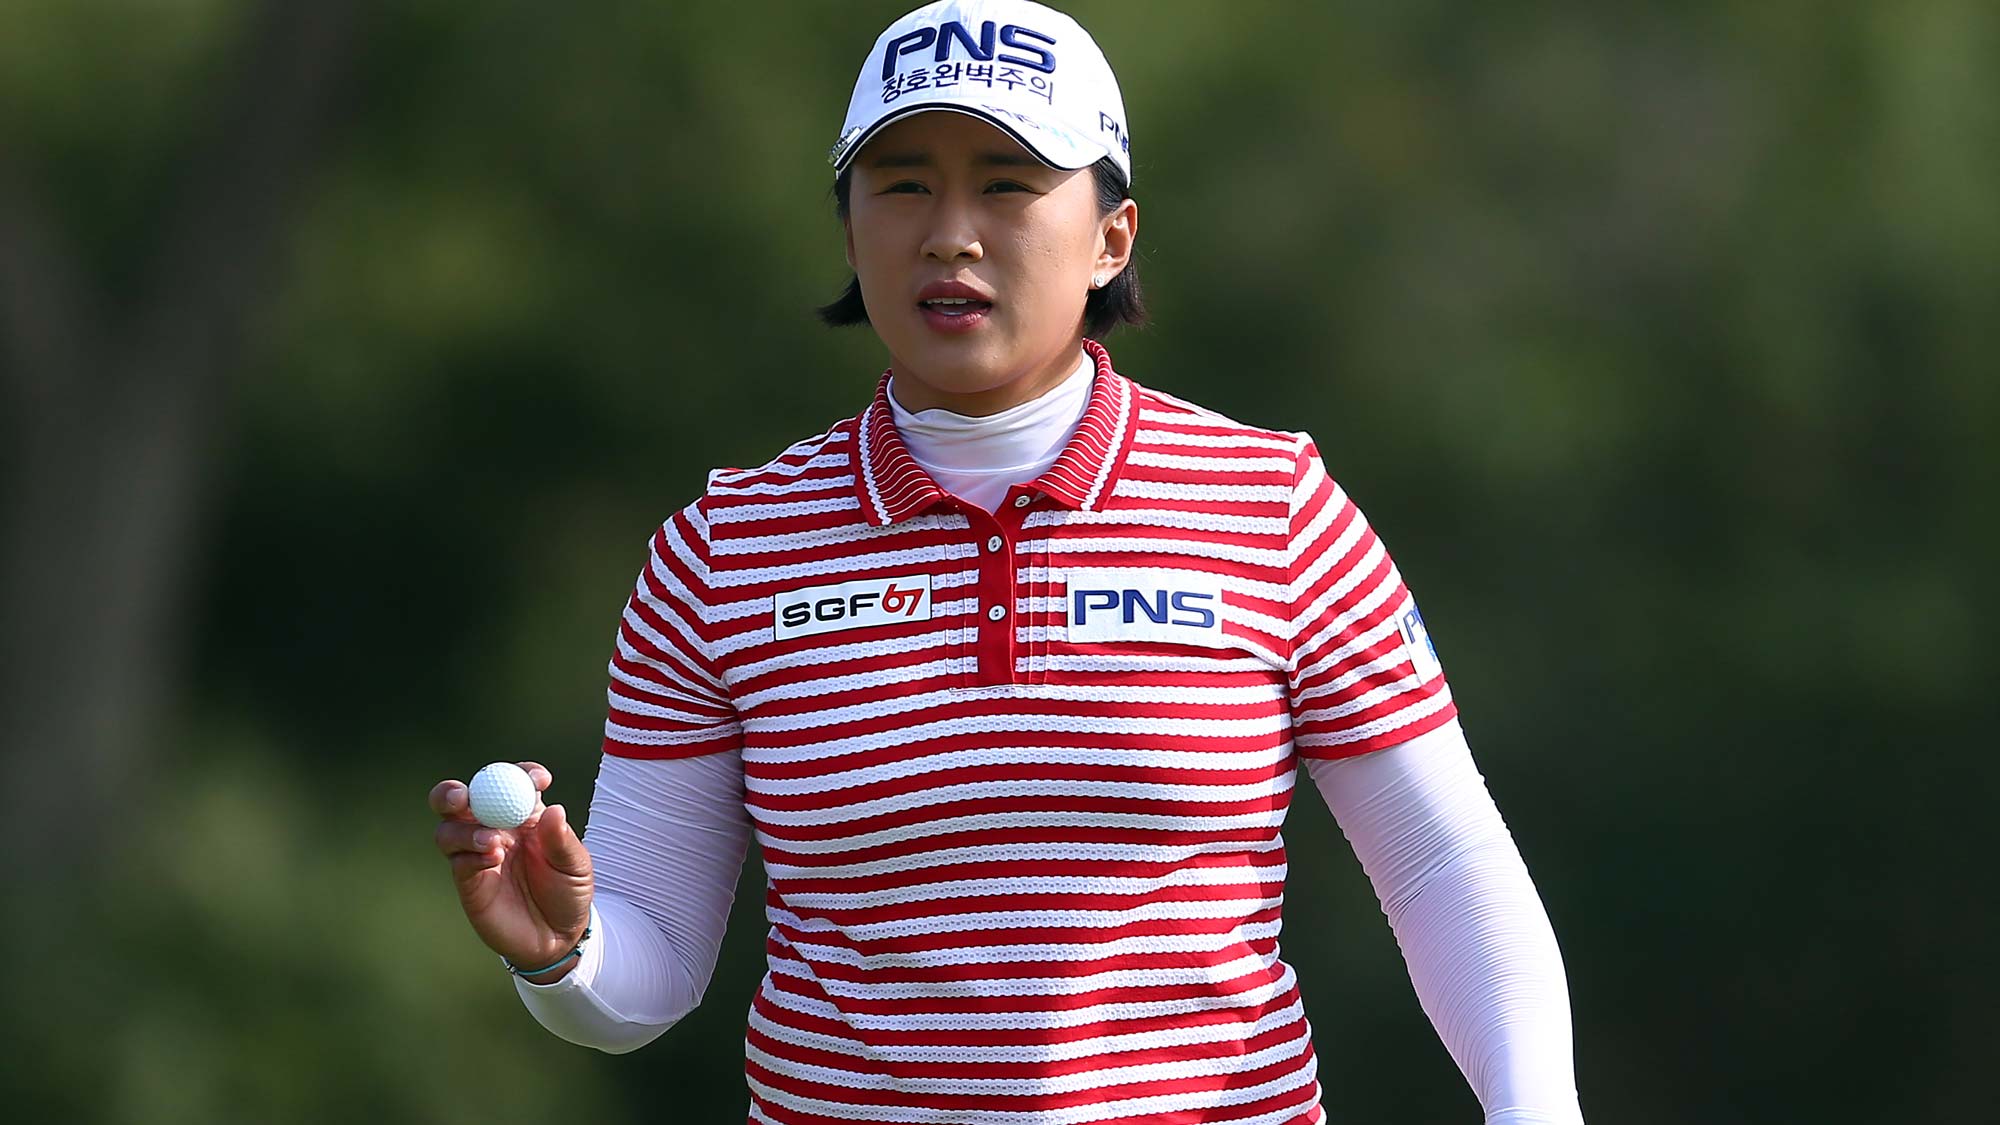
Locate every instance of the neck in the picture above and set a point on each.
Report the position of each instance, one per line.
(916, 393)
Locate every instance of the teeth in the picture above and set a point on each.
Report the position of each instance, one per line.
(950, 301)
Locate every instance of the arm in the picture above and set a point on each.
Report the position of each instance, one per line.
(668, 839)
(1480, 951)
(668, 829)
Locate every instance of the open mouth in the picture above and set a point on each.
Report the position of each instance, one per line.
(955, 306)
(955, 314)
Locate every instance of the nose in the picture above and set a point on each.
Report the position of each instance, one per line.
(952, 236)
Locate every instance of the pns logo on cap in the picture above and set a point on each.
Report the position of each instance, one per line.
(944, 36)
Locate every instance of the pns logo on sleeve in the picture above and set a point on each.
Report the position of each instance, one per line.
(852, 605)
(1171, 606)
(1417, 644)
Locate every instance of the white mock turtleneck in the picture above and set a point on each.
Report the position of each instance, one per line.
(979, 458)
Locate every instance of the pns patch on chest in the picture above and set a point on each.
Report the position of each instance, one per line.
(851, 605)
(1171, 606)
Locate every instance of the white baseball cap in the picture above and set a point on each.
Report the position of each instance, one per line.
(1026, 68)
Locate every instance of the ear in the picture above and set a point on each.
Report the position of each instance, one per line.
(1116, 236)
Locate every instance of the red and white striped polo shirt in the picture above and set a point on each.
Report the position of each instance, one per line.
(1018, 778)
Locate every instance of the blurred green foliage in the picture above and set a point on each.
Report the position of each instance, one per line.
(1657, 340)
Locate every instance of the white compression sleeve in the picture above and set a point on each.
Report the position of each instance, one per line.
(667, 840)
(1474, 934)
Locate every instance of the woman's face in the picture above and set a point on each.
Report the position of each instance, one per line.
(942, 198)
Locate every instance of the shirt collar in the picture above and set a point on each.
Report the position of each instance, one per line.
(892, 486)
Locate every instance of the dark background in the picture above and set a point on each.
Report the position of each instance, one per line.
(351, 351)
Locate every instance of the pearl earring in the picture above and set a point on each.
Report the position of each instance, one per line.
(1097, 282)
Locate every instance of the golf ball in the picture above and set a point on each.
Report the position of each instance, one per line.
(502, 795)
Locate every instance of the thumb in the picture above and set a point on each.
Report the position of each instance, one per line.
(560, 843)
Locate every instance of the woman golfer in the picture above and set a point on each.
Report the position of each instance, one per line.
(1011, 675)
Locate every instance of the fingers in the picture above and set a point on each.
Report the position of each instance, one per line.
(451, 798)
(458, 837)
(467, 864)
(560, 843)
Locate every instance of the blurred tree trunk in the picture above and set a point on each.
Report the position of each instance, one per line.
(112, 411)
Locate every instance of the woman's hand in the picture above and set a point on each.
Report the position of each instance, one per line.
(525, 890)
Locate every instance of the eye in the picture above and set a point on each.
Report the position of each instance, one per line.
(911, 187)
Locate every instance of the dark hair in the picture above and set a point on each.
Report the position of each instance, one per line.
(1119, 302)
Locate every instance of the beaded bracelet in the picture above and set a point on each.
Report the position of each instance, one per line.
(577, 951)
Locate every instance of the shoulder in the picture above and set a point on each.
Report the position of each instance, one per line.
(813, 476)
(1169, 425)
(814, 464)
(1177, 436)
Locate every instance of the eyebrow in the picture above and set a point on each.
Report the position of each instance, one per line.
(923, 160)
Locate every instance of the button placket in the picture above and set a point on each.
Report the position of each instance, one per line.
(993, 623)
(1041, 587)
(1013, 516)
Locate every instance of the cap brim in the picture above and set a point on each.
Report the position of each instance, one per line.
(1050, 150)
